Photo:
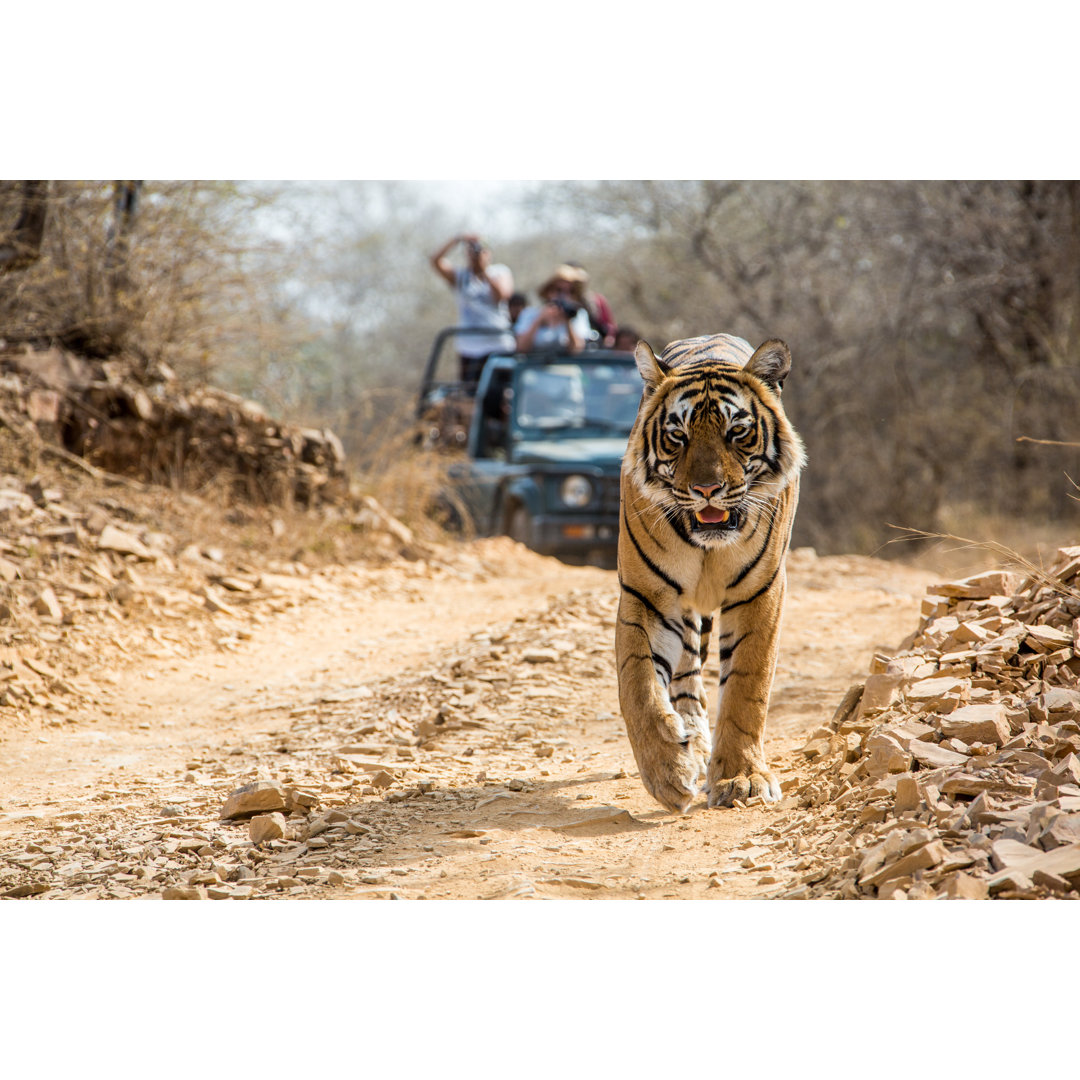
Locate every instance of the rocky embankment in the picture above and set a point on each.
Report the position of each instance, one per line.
(953, 771)
(139, 420)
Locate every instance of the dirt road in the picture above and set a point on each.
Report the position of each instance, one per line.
(457, 722)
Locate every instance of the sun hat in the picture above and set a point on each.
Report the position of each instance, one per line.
(565, 272)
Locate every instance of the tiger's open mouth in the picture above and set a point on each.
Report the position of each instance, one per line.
(713, 519)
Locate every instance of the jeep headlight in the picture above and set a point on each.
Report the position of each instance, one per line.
(576, 491)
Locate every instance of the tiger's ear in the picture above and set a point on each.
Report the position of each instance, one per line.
(771, 364)
(649, 365)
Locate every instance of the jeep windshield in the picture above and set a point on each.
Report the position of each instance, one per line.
(575, 398)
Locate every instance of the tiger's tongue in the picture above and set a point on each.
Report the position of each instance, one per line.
(713, 516)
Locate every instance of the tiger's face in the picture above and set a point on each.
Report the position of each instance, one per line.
(712, 447)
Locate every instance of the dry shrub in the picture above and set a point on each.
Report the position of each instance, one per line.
(948, 544)
(410, 482)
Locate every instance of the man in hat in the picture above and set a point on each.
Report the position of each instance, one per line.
(482, 290)
(561, 321)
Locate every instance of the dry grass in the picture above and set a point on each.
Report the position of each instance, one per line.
(1005, 556)
(410, 482)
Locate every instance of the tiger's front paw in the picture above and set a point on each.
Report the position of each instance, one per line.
(671, 759)
(729, 781)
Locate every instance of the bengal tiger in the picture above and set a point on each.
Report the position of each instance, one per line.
(709, 486)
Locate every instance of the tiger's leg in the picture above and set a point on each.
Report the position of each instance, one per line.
(748, 651)
(687, 688)
(657, 654)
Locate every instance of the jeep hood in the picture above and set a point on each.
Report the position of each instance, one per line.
(601, 451)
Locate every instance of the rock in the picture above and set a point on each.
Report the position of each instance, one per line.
(886, 755)
(879, 693)
(979, 587)
(35, 888)
(1048, 638)
(961, 886)
(977, 723)
(908, 795)
(848, 706)
(256, 798)
(1023, 860)
(216, 605)
(1053, 882)
(300, 802)
(908, 731)
(47, 605)
(815, 748)
(1059, 699)
(183, 892)
(933, 756)
(1012, 853)
(930, 690)
(1061, 832)
(539, 656)
(114, 539)
(922, 858)
(265, 827)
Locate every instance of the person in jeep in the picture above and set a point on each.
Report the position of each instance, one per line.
(482, 290)
(561, 321)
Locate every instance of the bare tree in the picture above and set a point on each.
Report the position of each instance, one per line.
(22, 246)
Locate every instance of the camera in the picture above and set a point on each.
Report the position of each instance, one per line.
(567, 307)
(475, 248)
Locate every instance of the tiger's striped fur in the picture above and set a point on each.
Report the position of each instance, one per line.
(710, 482)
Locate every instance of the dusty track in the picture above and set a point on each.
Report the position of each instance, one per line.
(481, 693)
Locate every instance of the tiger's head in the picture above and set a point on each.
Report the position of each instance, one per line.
(712, 447)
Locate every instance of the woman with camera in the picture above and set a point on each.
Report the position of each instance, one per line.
(561, 321)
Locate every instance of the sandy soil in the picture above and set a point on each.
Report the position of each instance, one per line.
(458, 723)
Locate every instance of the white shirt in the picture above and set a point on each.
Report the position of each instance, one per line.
(478, 307)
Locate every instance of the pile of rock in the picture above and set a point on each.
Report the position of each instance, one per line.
(140, 421)
(956, 766)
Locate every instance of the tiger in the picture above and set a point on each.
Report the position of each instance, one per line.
(708, 491)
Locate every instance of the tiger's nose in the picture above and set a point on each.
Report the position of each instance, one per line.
(706, 491)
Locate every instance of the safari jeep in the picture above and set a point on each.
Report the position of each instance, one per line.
(544, 438)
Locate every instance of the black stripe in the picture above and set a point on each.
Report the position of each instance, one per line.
(757, 558)
(648, 532)
(685, 697)
(659, 661)
(687, 675)
(653, 608)
(728, 651)
(703, 645)
(764, 589)
(671, 582)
